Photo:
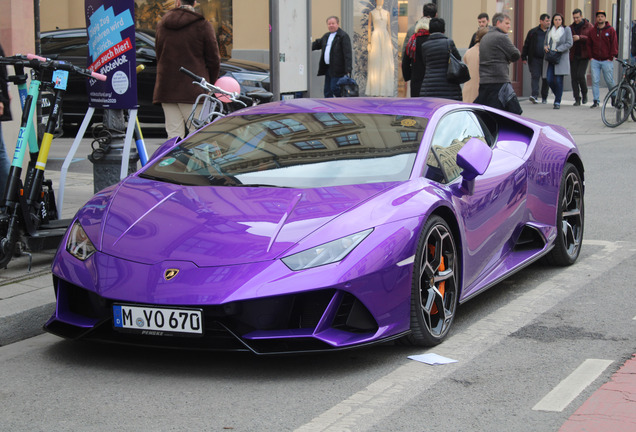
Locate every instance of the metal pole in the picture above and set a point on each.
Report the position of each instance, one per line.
(274, 49)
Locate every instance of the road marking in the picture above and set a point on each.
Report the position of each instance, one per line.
(368, 407)
(572, 386)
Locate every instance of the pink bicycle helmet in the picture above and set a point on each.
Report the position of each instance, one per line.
(228, 84)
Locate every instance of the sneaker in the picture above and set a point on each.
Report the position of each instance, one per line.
(594, 105)
(557, 106)
(577, 102)
(584, 101)
(533, 100)
(544, 101)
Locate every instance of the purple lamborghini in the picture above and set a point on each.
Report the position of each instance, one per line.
(314, 225)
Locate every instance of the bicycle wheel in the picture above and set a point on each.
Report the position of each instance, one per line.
(618, 105)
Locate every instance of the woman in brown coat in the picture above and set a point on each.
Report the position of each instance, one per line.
(184, 39)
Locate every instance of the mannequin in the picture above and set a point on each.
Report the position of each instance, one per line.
(381, 70)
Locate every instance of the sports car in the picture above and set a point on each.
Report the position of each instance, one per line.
(319, 224)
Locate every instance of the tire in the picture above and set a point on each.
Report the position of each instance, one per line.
(618, 105)
(570, 219)
(435, 286)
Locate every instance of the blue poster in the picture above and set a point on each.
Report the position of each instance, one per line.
(111, 52)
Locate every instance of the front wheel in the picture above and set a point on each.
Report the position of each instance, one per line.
(570, 219)
(618, 105)
(435, 287)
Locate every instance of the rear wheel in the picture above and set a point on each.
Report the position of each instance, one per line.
(435, 287)
(618, 105)
(570, 219)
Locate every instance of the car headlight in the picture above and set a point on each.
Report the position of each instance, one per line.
(327, 253)
(78, 243)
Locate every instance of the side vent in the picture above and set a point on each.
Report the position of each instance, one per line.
(529, 239)
(353, 316)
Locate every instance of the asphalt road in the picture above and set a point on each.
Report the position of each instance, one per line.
(513, 345)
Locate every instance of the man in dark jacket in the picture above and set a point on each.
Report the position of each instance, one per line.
(602, 47)
(496, 52)
(579, 57)
(184, 39)
(532, 54)
(335, 56)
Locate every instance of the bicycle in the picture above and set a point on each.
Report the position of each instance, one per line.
(619, 103)
(221, 98)
(28, 215)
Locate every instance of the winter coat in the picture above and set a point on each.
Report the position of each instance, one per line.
(470, 90)
(184, 39)
(435, 53)
(413, 69)
(563, 46)
(602, 44)
(496, 52)
(579, 49)
(340, 56)
(535, 36)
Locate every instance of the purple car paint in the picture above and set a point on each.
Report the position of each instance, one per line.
(319, 224)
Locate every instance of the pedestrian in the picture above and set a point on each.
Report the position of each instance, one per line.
(579, 57)
(470, 89)
(335, 56)
(602, 47)
(483, 21)
(5, 115)
(412, 65)
(496, 52)
(559, 39)
(435, 54)
(532, 55)
(184, 38)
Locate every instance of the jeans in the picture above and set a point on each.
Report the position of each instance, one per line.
(578, 68)
(4, 163)
(556, 83)
(607, 67)
(331, 86)
(536, 69)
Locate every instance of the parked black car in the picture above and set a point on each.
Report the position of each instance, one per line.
(71, 45)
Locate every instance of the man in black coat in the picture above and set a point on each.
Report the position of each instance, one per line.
(335, 57)
(532, 54)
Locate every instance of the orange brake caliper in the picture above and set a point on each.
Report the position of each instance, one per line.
(442, 285)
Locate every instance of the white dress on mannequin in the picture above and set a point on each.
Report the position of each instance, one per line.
(381, 70)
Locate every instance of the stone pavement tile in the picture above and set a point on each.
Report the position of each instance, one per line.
(26, 301)
(611, 408)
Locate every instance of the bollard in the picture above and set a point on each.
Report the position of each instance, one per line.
(108, 146)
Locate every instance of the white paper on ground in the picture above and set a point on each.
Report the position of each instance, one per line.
(432, 359)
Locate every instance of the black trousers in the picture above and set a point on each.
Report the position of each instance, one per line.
(536, 69)
(578, 72)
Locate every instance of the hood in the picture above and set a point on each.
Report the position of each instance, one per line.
(177, 19)
(150, 222)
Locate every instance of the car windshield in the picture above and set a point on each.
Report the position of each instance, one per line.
(302, 150)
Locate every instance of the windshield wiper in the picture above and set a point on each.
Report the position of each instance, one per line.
(165, 180)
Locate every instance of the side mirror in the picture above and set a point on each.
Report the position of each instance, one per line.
(474, 158)
(163, 148)
(147, 54)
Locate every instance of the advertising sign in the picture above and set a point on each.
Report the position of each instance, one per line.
(111, 51)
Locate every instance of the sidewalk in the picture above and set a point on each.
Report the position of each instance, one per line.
(29, 294)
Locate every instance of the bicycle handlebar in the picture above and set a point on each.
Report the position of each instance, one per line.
(200, 81)
(58, 64)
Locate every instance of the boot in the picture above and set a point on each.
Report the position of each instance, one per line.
(577, 102)
(584, 101)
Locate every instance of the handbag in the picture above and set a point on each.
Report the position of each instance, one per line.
(348, 87)
(553, 56)
(457, 72)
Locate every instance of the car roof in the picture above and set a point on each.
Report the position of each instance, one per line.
(417, 107)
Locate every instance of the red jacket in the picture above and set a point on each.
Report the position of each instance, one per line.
(579, 48)
(602, 44)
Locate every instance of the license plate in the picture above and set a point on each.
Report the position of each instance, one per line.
(158, 321)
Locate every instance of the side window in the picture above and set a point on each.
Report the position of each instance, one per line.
(66, 46)
(452, 132)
